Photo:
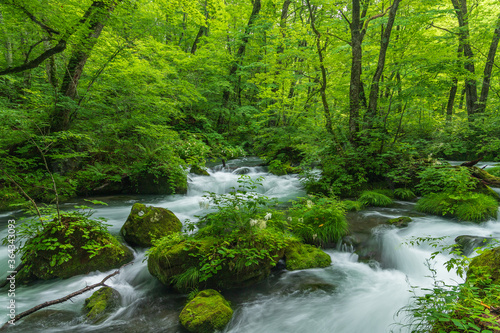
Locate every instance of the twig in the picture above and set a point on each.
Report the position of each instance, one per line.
(25, 194)
(62, 299)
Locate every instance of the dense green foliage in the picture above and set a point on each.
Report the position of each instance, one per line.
(469, 306)
(168, 85)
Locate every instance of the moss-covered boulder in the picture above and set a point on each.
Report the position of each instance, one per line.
(146, 223)
(225, 263)
(399, 222)
(305, 256)
(207, 312)
(486, 264)
(197, 170)
(100, 305)
(71, 247)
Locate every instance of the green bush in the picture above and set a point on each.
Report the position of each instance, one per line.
(318, 220)
(471, 206)
(350, 205)
(404, 194)
(438, 179)
(372, 198)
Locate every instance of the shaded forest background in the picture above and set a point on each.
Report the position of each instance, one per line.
(123, 96)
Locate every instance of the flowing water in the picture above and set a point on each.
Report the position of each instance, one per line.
(353, 295)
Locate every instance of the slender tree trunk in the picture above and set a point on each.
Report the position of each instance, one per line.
(323, 82)
(451, 99)
(355, 87)
(488, 68)
(244, 41)
(8, 44)
(464, 35)
(371, 113)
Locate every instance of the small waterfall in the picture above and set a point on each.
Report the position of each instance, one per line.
(349, 296)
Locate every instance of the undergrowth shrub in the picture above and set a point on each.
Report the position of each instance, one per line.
(372, 198)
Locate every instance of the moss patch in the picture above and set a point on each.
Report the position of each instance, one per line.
(98, 306)
(197, 170)
(486, 265)
(400, 221)
(146, 223)
(177, 261)
(62, 252)
(207, 312)
(305, 256)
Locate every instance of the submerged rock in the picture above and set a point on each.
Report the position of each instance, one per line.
(400, 222)
(197, 170)
(305, 256)
(146, 223)
(466, 244)
(207, 312)
(100, 305)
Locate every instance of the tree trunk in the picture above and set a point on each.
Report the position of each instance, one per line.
(488, 68)
(464, 35)
(355, 82)
(384, 44)
(95, 17)
(323, 82)
(241, 50)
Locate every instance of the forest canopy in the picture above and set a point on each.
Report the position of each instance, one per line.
(115, 96)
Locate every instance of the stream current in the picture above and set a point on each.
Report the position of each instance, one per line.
(350, 296)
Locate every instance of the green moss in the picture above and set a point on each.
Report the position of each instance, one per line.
(207, 312)
(146, 223)
(197, 170)
(305, 256)
(40, 264)
(486, 265)
(373, 198)
(235, 261)
(98, 306)
(475, 207)
(400, 221)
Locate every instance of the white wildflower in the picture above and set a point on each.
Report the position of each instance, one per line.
(236, 207)
(301, 220)
(268, 216)
(309, 204)
(315, 236)
(253, 222)
(262, 224)
(289, 219)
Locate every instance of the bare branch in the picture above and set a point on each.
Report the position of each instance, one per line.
(32, 17)
(61, 46)
(345, 18)
(451, 32)
(62, 299)
(375, 17)
(342, 39)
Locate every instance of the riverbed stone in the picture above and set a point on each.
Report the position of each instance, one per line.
(146, 223)
(197, 170)
(207, 312)
(400, 222)
(467, 243)
(99, 306)
(304, 256)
